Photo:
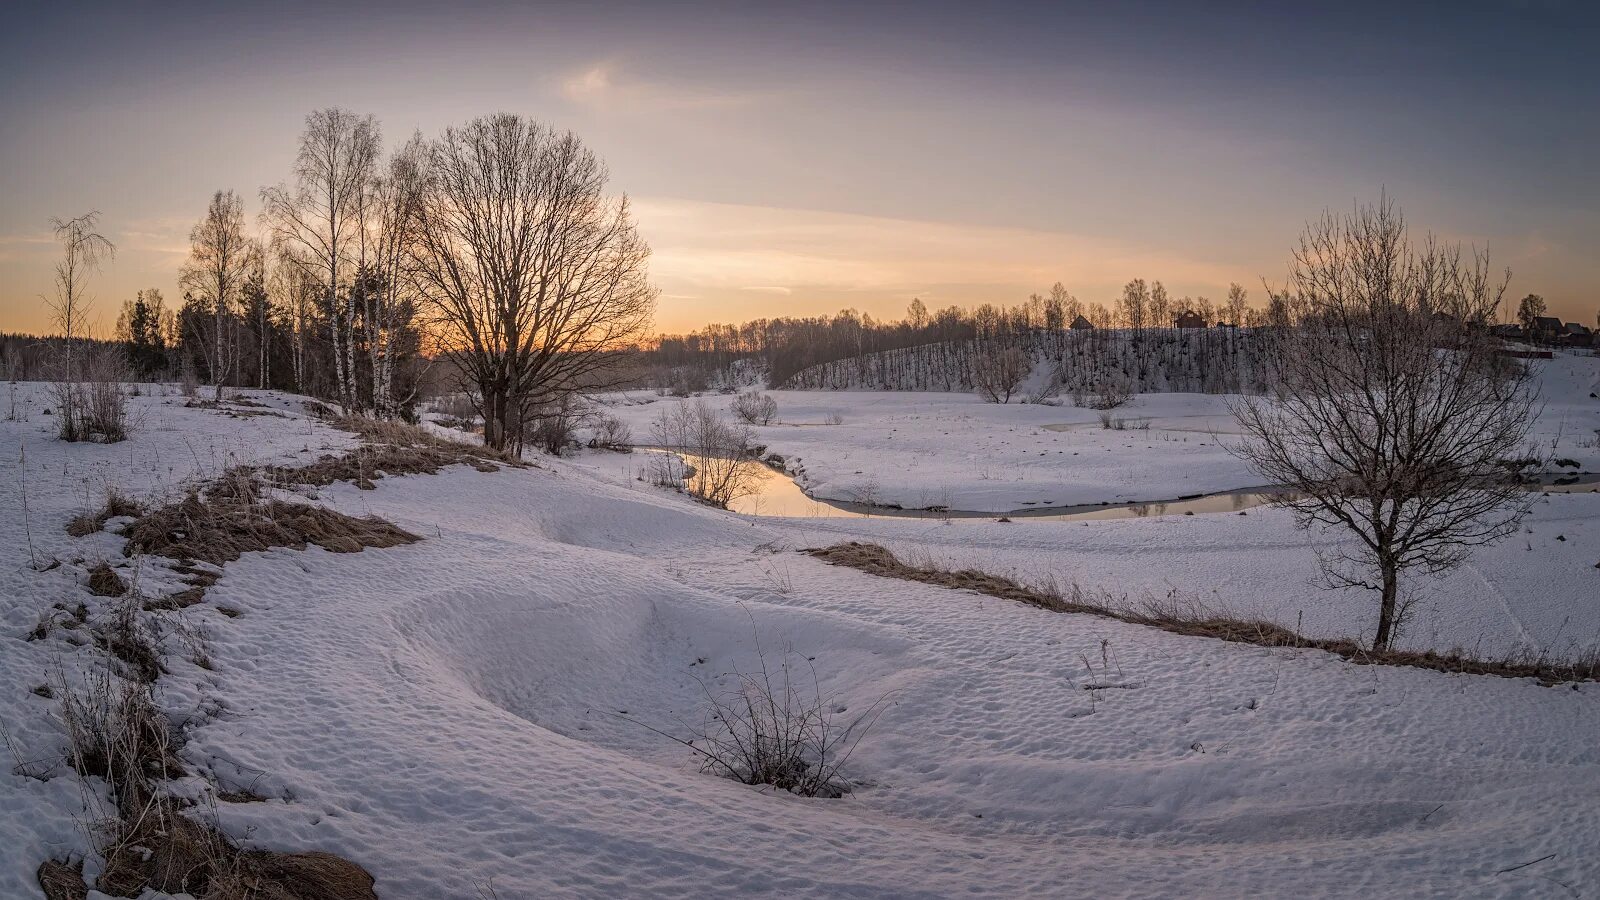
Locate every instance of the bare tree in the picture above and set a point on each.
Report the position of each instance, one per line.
(718, 458)
(754, 408)
(82, 250)
(1529, 311)
(535, 277)
(1238, 303)
(221, 257)
(1389, 411)
(1160, 306)
(387, 280)
(319, 222)
(998, 371)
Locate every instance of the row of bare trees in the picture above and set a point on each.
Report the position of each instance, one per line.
(494, 247)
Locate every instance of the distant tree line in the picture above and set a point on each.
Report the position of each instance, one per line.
(932, 350)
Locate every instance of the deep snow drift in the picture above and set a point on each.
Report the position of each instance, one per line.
(453, 713)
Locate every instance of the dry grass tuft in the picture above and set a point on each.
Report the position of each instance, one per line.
(105, 582)
(89, 523)
(62, 881)
(166, 851)
(1196, 620)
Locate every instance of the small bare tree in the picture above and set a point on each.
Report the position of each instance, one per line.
(997, 372)
(1389, 411)
(221, 257)
(754, 408)
(535, 278)
(82, 250)
(720, 456)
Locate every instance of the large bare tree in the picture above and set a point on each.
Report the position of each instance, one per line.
(1390, 411)
(535, 276)
(318, 222)
(221, 257)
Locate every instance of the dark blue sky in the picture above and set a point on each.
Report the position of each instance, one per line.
(829, 155)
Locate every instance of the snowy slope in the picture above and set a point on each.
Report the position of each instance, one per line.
(444, 714)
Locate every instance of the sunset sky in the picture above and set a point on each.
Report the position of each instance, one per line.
(851, 155)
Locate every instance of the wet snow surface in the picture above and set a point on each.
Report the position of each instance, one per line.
(447, 713)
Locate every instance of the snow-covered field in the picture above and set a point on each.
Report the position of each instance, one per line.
(946, 449)
(453, 713)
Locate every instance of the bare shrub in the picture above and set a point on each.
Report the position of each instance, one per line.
(721, 457)
(997, 373)
(611, 433)
(553, 426)
(62, 880)
(754, 408)
(1101, 391)
(92, 399)
(774, 726)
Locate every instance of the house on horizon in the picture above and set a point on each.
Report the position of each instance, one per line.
(1545, 328)
(1079, 323)
(1189, 319)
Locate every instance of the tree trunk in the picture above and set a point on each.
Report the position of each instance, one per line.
(1386, 610)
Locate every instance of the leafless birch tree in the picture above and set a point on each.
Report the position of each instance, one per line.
(320, 218)
(82, 250)
(1390, 413)
(220, 259)
(536, 279)
(392, 213)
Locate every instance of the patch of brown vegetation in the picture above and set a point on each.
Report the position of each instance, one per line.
(89, 523)
(219, 530)
(105, 582)
(169, 852)
(1195, 620)
(62, 881)
(389, 448)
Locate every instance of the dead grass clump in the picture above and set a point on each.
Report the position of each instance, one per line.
(62, 881)
(152, 843)
(89, 523)
(128, 638)
(219, 530)
(1197, 620)
(105, 582)
(389, 448)
(170, 852)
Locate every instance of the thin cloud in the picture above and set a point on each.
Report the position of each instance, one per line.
(607, 85)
